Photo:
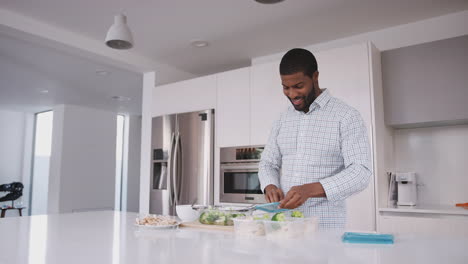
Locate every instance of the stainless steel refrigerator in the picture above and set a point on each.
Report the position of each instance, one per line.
(182, 160)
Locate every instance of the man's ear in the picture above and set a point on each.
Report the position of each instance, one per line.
(315, 76)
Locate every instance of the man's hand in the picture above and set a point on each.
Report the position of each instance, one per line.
(273, 194)
(297, 195)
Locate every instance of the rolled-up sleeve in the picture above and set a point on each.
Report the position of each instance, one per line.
(270, 163)
(355, 148)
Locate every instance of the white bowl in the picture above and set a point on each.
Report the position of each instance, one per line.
(186, 213)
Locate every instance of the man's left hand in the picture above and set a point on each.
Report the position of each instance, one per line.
(296, 196)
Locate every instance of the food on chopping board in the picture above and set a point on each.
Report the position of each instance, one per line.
(216, 217)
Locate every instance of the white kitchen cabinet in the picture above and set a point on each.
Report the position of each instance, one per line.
(267, 100)
(434, 225)
(233, 108)
(347, 74)
(185, 96)
(426, 84)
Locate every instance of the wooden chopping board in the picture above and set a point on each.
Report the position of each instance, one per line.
(196, 224)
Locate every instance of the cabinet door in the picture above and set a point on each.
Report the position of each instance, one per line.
(268, 100)
(345, 72)
(436, 225)
(185, 96)
(233, 108)
(426, 84)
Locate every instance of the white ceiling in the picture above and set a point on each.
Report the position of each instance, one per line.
(26, 69)
(236, 29)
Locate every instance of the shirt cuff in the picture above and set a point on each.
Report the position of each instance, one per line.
(267, 182)
(331, 191)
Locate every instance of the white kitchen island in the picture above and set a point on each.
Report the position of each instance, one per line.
(111, 238)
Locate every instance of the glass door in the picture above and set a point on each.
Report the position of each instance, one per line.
(41, 161)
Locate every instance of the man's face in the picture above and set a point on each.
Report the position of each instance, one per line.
(299, 88)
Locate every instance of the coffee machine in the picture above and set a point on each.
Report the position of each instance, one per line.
(407, 192)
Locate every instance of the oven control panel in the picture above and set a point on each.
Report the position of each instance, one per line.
(241, 154)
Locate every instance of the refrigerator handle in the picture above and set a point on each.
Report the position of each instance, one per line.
(170, 166)
(176, 169)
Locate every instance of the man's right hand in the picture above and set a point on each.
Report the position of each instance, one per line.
(273, 194)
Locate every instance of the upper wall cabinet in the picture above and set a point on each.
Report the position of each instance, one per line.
(233, 108)
(268, 100)
(346, 73)
(426, 84)
(185, 96)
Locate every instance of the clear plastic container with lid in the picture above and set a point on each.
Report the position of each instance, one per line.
(275, 226)
(250, 226)
(290, 228)
(222, 215)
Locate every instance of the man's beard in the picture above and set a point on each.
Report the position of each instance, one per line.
(308, 100)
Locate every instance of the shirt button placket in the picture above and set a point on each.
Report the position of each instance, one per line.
(301, 136)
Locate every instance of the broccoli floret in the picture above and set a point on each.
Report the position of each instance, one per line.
(279, 217)
(204, 218)
(229, 218)
(211, 217)
(298, 214)
(237, 215)
(221, 220)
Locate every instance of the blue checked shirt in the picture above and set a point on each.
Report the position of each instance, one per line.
(329, 144)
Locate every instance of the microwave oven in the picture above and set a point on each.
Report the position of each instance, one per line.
(239, 181)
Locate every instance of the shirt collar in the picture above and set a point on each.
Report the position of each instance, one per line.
(320, 101)
(323, 98)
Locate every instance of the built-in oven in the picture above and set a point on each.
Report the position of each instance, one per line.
(239, 175)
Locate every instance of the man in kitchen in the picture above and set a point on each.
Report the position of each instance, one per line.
(320, 145)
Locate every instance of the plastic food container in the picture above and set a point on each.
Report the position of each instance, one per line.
(222, 215)
(248, 227)
(312, 224)
(291, 228)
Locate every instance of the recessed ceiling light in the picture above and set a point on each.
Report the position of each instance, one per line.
(268, 1)
(199, 43)
(121, 98)
(45, 91)
(102, 73)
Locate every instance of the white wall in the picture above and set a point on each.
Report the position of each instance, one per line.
(443, 27)
(133, 164)
(12, 134)
(149, 81)
(82, 166)
(439, 156)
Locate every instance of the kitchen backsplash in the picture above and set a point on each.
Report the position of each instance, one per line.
(439, 156)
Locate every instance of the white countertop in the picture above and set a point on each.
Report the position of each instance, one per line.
(111, 237)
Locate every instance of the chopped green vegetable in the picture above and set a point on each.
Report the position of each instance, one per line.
(229, 218)
(261, 217)
(215, 217)
(279, 217)
(203, 218)
(221, 220)
(298, 214)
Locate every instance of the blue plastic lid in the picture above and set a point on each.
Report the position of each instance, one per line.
(271, 207)
(367, 238)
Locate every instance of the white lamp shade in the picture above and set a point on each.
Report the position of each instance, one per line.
(119, 35)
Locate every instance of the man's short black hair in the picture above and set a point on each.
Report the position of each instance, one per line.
(298, 60)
